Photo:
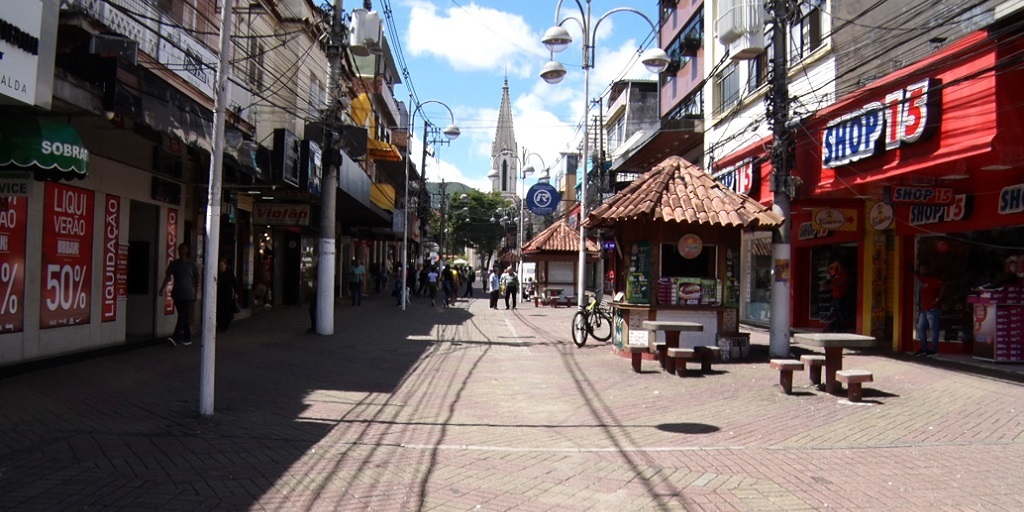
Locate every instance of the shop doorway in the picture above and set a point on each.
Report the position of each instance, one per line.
(143, 271)
(833, 298)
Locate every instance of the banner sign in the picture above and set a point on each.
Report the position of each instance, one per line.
(281, 214)
(67, 256)
(542, 199)
(111, 235)
(834, 219)
(169, 254)
(904, 116)
(919, 195)
(13, 213)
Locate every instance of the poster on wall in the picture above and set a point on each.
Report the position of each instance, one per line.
(638, 279)
(171, 244)
(111, 235)
(67, 256)
(13, 211)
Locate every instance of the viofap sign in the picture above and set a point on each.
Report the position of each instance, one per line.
(902, 117)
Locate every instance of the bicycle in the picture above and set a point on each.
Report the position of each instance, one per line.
(592, 320)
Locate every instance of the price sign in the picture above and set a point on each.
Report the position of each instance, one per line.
(13, 211)
(67, 256)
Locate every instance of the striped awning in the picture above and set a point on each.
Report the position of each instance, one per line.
(761, 246)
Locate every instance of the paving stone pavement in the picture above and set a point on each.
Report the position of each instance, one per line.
(468, 408)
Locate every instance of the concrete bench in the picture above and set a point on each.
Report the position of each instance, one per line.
(676, 359)
(636, 354)
(658, 348)
(853, 380)
(814, 363)
(786, 367)
(707, 354)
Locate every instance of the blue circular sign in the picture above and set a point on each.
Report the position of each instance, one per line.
(542, 199)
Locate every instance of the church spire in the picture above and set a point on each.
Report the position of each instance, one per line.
(504, 148)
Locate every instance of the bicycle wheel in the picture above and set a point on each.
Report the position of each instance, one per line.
(600, 325)
(579, 329)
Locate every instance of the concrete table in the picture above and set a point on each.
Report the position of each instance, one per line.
(833, 343)
(671, 330)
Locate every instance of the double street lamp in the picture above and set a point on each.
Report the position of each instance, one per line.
(452, 132)
(524, 171)
(557, 39)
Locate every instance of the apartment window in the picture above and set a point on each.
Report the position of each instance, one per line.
(256, 52)
(316, 94)
(805, 32)
(727, 89)
(757, 72)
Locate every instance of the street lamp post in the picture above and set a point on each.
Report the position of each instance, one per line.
(523, 170)
(452, 132)
(557, 39)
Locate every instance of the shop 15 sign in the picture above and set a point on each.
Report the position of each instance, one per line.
(1011, 199)
(903, 117)
(960, 209)
(67, 256)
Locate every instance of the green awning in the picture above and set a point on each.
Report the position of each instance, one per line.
(49, 147)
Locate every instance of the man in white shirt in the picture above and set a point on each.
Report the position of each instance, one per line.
(493, 284)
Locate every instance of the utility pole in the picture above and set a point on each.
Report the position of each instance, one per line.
(329, 191)
(444, 212)
(213, 208)
(777, 109)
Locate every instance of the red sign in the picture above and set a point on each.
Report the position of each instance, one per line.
(13, 211)
(111, 234)
(66, 287)
(172, 242)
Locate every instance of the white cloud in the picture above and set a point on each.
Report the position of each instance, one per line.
(472, 37)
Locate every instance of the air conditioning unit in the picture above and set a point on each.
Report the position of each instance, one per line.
(365, 34)
(115, 46)
(741, 27)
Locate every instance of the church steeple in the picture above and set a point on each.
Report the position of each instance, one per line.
(504, 148)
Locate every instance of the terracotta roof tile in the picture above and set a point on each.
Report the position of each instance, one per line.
(560, 237)
(678, 191)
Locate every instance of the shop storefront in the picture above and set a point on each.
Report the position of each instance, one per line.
(927, 164)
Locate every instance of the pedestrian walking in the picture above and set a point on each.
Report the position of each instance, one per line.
(448, 285)
(470, 279)
(432, 276)
(494, 287)
(422, 290)
(356, 274)
(184, 275)
(930, 294)
(510, 281)
(227, 295)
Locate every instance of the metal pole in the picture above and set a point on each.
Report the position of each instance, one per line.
(582, 264)
(778, 116)
(213, 207)
(328, 195)
(405, 222)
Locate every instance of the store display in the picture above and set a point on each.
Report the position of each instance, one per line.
(999, 324)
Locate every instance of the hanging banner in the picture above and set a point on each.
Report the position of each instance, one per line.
(111, 235)
(67, 256)
(13, 212)
(171, 249)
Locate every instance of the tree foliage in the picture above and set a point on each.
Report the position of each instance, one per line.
(469, 221)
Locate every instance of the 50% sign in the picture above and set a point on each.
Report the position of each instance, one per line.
(64, 287)
(10, 301)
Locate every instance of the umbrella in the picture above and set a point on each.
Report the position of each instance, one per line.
(459, 262)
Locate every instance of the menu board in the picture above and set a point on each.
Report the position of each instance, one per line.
(639, 276)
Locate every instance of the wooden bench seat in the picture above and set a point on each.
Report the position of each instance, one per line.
(676, 359)
(636, 355)
(814, 363)
(786, 367)
(853, 380)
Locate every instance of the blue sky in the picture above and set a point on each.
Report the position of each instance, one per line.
(459, 52)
